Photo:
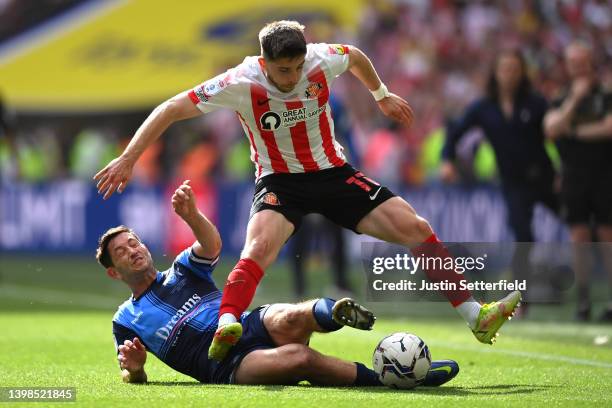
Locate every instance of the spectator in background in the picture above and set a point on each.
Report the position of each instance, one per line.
(8, 150)
(581, 123)
(511, 115)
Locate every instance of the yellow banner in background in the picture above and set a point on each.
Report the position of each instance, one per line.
(134, 54)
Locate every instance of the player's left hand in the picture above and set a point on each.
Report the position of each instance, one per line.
(184, 202)
(132, 355)
(397, 109)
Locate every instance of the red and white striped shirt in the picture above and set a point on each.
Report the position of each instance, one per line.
(289, 132)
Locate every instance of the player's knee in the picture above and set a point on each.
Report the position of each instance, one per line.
(414, 229)
(260, 250)
(424, 229)
(300, 358)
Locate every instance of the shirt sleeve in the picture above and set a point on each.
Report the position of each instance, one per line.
(219, 92)
(335, 56)
(455, 130)
(201, 267)
(121, 334)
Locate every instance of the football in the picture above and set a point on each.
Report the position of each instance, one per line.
(401, 360)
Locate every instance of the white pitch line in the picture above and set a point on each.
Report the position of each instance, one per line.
(526, 354)
(514, 353)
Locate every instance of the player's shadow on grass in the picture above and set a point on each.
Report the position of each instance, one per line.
(497, 389)
(500, 389)
(174, 383)
(508, 389)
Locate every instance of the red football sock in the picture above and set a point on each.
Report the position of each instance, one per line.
(240, 287)
(434, 248)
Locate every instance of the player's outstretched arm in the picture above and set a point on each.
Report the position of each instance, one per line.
(390, 104)
(208, 244)
(116, 175)
(132, 357)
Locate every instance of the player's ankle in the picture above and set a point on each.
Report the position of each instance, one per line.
(227, 318)
(469, 310)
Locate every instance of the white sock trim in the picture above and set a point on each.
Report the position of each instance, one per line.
(469, 310)
(227, 318)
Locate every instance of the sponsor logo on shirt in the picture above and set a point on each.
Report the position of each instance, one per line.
(271, 120)
(164, 331)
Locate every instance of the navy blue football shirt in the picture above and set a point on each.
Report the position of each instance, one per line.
(176, 317)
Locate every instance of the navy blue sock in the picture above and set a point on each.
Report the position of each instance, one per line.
(322, 311)
(366, 377)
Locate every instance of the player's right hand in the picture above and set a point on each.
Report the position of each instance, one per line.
(114, 177)
(132, 355)
(184, 202)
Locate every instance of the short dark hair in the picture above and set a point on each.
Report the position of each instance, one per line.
(282, 39)
(102, 254)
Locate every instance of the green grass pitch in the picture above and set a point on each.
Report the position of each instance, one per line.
(64, 339)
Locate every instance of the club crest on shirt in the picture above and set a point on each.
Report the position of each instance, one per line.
(270, 199)
(313, 90)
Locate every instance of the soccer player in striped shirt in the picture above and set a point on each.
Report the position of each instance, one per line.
(281, 100)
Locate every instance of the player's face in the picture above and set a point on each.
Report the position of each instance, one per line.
(578, 61)
(131, 258)
(284, 73)
(508, 72)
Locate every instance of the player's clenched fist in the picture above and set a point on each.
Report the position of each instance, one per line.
(184, 202)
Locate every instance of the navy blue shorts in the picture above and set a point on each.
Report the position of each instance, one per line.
(255, 336)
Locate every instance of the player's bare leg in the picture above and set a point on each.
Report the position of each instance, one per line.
(290, 327)
(397, 222)
(292, 363)
(294, 323)
(267, 232)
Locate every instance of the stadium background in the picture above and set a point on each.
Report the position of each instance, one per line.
(78, 77)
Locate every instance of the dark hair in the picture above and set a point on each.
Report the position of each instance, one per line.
(282, 39)
(524, 86)
(102, 254)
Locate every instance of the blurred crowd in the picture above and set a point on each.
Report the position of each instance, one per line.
(437, 54)
(16, 16)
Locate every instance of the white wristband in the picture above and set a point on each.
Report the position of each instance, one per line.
(381, 93)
